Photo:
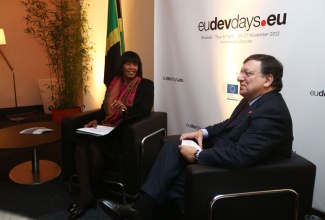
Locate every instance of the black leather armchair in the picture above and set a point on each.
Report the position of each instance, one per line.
(140, 145)
(280, 189)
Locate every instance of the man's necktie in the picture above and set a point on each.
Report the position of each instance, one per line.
(241, 111)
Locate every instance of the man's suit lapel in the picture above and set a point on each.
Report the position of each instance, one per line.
(263, 99)
(249, 110)
(235, 117)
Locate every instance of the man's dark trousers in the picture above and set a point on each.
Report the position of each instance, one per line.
(166, 180)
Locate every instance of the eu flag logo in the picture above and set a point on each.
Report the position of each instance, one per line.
(232, 88)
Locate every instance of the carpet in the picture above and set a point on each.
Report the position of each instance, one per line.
(44, 201)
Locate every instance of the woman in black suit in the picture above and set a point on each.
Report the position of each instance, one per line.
(127, 95)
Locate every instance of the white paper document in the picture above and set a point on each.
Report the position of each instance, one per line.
(35, 130)
(191, 143)
(100, 130)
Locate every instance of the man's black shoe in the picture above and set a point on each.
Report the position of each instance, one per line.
(118, 211)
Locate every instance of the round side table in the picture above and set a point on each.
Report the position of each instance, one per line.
(35, 171)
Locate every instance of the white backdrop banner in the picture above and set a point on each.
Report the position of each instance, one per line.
(199, 49)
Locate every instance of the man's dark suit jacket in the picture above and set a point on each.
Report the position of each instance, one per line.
(263, 130)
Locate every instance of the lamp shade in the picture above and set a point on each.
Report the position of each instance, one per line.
(2, 37)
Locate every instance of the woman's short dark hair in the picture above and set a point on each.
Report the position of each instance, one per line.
(270, 65)
(130, 56)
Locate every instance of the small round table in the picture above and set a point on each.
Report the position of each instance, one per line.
(35, 171)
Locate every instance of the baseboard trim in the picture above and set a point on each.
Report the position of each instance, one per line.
(21, 110)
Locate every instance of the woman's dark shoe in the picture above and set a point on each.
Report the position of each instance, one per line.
(74, 213)
(71, 207)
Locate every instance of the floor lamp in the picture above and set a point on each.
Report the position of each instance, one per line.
(3, 42)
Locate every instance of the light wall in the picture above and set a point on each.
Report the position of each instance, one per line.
(29, 61)
(138, 18)
(25, 56)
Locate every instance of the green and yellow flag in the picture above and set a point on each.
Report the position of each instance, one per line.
(114, 40)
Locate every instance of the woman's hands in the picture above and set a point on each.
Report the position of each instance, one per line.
(92, 123)
(119, 105)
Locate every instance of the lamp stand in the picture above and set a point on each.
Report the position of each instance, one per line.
(14, 80)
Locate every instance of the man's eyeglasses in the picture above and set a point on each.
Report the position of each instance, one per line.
(246, 73)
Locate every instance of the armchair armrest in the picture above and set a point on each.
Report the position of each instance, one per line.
(141, 145)
(68, 128)
(169, 138)
(203, 183)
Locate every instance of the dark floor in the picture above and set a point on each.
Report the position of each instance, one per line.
(45, 201)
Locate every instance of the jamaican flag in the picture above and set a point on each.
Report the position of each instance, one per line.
(114, 40)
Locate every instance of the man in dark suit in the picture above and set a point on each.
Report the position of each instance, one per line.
(260, 127)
